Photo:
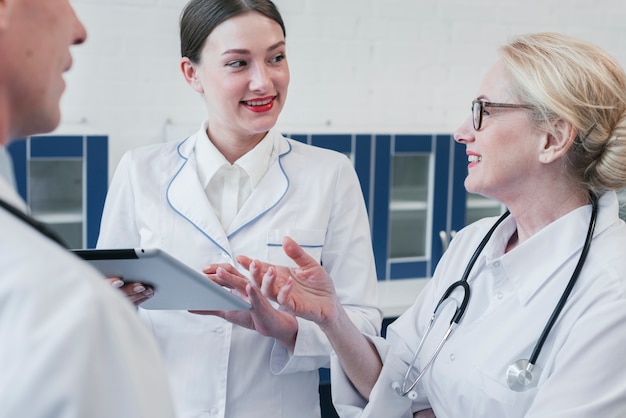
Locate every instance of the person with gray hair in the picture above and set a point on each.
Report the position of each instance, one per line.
(525, 315)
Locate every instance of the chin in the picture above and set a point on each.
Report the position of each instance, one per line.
(263, 127)
(46, 124)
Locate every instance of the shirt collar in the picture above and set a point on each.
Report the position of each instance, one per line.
(254, 162)
(9, 194)
(541, 257)
(6, 166)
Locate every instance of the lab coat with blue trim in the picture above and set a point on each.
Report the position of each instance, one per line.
(580, 370)
(308, 193)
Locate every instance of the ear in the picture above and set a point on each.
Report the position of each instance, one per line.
(190, 72)
(5, 13)
(555, 145)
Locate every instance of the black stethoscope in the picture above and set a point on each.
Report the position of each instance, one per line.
(522, 374)
(39, 226)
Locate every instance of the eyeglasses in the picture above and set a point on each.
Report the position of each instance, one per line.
(478, 109)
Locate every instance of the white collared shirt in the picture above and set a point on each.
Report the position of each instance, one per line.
(227, 186)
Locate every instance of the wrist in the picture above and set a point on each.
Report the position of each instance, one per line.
(287, 335)
(334, 319)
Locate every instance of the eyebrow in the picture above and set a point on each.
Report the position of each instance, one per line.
(247, 52)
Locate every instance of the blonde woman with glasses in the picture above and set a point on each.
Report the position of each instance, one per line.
(525, 315)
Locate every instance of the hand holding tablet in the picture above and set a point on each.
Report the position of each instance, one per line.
(176, 285)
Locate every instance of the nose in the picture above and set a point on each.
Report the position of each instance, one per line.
(80, 33)
(465, 132)
(260, 79)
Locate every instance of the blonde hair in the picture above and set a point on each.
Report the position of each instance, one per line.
(564, 77)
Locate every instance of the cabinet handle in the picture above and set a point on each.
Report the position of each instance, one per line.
(443, 236)
(446, 238)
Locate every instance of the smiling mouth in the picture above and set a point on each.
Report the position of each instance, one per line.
(474, 158)
(263, 102)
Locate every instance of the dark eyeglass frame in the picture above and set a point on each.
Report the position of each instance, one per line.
(478, 107)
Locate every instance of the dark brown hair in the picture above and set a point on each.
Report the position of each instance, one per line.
(200, 17)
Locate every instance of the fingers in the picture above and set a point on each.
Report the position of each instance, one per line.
(244, 261)
(249, 264)
(136, 292)
(116, 282)
(284, 296)
(256, 273)
(221, 314)
(212, 268)
(227, 278)
(139, 298)
(268, 284)
(297, 254)
(226, 275)
(257, 300)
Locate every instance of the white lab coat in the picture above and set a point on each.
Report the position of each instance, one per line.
(512, 297)
(70, 345)
(311, 194)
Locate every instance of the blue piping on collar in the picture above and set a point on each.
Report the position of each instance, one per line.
(167, 196)
(232, 234)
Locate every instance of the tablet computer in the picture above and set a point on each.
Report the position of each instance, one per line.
(176, 285)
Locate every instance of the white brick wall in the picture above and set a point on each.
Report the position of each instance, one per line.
(356, 65)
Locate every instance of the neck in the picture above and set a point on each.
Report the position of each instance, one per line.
(513, 241)
(233, 148)
(535, 214)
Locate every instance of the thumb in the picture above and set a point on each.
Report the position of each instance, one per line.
(297, 254)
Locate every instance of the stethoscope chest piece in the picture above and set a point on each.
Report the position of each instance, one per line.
(522, 375)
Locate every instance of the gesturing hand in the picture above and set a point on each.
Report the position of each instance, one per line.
(262, 317)
(306, 291)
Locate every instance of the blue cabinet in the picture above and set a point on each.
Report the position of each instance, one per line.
(64, 179)
(414, 193)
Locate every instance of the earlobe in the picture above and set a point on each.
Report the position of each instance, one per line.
(190, 73)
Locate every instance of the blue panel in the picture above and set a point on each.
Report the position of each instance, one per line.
(382, 186)
(341, 143)
(459, 194)
(440, 196)
(300, 138)
(408, 270)
(97, 163)
(56, 146)
(324, 375)
(363, 164)
(413, 143)
(17, 150)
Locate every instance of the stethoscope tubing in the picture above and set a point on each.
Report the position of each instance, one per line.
(570, 286)
(460, 311)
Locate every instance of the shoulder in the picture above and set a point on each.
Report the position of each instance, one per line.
(293, 153)
(312, 150)
(155, 151)
(154, 160)
(45, 278)
(606, 259)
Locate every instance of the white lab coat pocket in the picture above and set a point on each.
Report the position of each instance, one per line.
(311, 241)
(493, 397)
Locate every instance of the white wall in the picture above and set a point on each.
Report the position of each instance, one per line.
(356, 65)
